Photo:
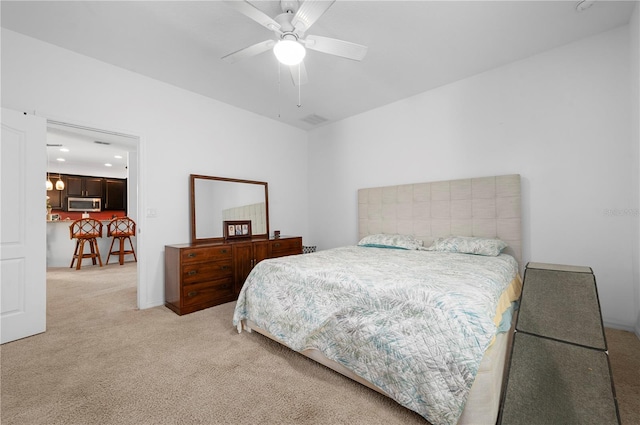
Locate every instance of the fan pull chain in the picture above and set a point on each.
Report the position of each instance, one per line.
(279, 95)
(299, 87)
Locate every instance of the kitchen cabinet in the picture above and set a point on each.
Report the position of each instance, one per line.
(84, 186)
(112, 191)
(115, 194)
(56, 197)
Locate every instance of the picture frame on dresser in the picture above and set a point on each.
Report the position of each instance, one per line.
(237, 229)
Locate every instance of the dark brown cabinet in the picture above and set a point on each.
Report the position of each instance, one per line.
(115, 194)
(245, 257)
(83, 186)
(198, 276)
(112, 191)
(284, 246)
(56, 197)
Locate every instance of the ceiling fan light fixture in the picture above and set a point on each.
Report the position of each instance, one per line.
(289, 52)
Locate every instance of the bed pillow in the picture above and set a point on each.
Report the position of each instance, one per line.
(468, 245)
(384, 240)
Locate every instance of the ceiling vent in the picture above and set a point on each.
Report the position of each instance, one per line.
(101, 143)
(54, 145)
(314, 119)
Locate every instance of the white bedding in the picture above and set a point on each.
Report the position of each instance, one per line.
(415, 324)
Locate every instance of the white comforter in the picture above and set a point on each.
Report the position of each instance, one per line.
(414, 323)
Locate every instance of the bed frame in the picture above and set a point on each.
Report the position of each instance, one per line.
(484, 207)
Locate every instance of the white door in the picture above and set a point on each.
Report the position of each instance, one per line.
(23, 256)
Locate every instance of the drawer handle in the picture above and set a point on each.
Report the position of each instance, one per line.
(192, 272)
(191, 254)
(224, 251)
(277, 245)
(225, 286)
(192, 293)
(224, 267)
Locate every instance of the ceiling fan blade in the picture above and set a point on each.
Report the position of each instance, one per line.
(250, 51)
(336, 47)
(299, 74)
(308, 13)
(254, 13)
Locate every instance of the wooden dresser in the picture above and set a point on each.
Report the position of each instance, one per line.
(202, 275)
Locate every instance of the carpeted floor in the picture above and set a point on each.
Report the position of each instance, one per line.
(624, 356)
(101, 361)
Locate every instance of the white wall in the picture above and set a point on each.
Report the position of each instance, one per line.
(180, 133)
(634, 37)
(560, 119)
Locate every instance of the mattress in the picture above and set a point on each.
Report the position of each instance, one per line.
(413, 325)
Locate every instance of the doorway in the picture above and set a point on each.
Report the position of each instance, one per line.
(74, 152)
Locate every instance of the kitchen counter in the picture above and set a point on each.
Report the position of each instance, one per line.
(60, 246)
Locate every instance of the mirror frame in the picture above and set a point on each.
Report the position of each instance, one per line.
(192, 196)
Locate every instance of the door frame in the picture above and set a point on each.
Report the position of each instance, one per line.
(140, 223)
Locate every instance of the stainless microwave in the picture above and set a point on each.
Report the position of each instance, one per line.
(84, 204)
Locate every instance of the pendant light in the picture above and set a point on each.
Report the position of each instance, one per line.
(59, 183)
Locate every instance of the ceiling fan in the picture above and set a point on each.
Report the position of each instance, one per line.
(290, 27)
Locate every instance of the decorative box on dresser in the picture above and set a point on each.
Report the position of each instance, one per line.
(201, 275)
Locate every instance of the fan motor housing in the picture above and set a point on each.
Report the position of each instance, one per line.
(284, 19)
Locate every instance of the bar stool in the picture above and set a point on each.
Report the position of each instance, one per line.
(85, 230)
(121, 228)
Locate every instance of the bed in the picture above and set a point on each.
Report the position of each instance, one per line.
(418, 310)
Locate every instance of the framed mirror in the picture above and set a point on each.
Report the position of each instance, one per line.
(215, 200)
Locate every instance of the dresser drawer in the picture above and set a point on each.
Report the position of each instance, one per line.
(200, 272)
(205, 292)
(209, 253)
(283, 247)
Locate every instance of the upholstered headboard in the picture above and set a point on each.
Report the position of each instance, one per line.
(484, 207)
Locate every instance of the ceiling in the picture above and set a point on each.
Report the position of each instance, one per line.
(414, 46)
(69, 147)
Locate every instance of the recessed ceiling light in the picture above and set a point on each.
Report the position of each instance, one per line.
(64, 149)
(118, 156)
(60, 159)
(107, 165)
